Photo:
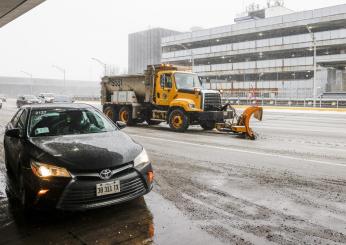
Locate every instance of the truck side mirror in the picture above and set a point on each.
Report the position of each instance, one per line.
(13, 133)
(120, 124)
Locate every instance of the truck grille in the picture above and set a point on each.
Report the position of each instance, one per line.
(81, 194)
(212, 102)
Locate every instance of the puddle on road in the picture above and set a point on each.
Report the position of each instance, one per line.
(148, 220)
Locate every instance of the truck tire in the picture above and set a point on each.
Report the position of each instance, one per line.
(208, 125)
(178, 120)
(125, 115)
(111, 112)
(152, 122)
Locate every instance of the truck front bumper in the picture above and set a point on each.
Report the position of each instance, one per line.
(215, 116)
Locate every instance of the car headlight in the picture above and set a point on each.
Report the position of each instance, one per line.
(141, 158)
(192, 105)
(44, 170)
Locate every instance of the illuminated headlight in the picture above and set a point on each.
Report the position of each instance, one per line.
(192, 105)
(44, 170)
(141, 158)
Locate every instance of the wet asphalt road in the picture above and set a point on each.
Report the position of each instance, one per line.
(287, 187)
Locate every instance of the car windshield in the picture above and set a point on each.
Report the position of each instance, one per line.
(187, 81)
(54, 122)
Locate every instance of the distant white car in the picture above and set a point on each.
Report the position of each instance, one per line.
(46, 97)
(63, 99)
(2, 97)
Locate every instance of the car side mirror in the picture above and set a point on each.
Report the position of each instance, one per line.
(120, 124)
(13, 133)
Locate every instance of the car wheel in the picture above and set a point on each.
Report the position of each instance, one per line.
(208, 125)
(178, 120)
(125, 115)
(25, 196)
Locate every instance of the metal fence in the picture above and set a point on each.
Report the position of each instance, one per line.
(320, 103)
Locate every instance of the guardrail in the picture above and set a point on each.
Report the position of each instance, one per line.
(320, 103)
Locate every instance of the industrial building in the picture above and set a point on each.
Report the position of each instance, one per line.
(144, 48)
(15, 86)
(268, 53)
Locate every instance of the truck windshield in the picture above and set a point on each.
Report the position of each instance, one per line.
(187, 81)
(54, 122)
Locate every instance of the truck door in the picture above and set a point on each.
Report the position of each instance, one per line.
(164, 89)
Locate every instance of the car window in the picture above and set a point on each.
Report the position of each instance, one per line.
(15, 118)
(54, 122)
(22, 120)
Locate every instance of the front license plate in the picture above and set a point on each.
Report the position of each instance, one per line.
(108, 188)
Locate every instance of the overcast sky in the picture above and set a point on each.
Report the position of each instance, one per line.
(68, 33)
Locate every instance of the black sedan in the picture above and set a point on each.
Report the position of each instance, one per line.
(72, 157)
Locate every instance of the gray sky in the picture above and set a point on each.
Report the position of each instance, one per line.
(68, 33)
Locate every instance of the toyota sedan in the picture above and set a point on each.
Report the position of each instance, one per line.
(72, 157)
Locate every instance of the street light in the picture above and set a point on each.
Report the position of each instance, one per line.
(31, 81)
(192, 56)
(313, 37)
(101, 63)
(64, 73)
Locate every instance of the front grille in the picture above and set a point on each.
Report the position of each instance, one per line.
(82, 194)
(212, 102)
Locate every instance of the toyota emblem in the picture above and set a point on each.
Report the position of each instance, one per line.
(105, 174)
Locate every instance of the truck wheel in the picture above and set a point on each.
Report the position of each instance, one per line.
(178, 120)
(125, 115)
(152, 122)
(111, 113)
(208, 125)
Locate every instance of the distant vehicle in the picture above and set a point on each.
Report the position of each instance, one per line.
(0, 104)
(46, 97)
(63, 99)
(27, 100)
(72, 157)
(2, 97)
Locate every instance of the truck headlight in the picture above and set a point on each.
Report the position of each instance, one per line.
(44, 170)
(192, 105)
(141, 158)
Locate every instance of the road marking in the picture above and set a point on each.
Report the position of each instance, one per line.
(242, 151)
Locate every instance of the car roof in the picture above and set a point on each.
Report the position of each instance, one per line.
(59, 106)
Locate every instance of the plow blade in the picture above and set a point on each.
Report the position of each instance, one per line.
(243, 123)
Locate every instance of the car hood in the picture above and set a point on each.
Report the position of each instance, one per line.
(86, 152)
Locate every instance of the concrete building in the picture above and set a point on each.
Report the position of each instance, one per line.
(145, 48)
(14, 86)
(268, 53)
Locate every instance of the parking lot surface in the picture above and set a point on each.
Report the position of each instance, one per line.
(287, 187)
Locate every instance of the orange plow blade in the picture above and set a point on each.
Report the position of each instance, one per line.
(243, 123)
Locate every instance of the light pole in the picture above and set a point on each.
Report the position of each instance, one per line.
(313, 37)
(101, 63)
(64, 73)
(31, 81)
(192, 56)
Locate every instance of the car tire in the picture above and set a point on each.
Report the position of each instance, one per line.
(125, 115)
(25, 197)
(178, 120)
(208, 125)
(111, 113)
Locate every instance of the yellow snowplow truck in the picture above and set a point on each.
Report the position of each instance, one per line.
(166, 93)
